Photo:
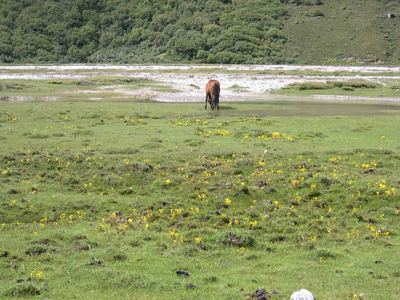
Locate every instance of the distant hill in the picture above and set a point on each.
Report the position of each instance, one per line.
(200, 31)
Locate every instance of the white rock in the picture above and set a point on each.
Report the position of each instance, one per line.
(303, 294)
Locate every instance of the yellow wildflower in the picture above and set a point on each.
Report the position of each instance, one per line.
(241, 250)
(198, 240)
(37, 275)
(228, 201)
(253, 223)
(276, 135)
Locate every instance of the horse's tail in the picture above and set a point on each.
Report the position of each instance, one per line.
(216, 89)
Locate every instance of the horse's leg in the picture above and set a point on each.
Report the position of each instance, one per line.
(205, 107)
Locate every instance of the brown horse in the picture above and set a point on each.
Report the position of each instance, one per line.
(212, 94)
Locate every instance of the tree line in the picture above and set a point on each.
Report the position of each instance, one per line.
(137, 31)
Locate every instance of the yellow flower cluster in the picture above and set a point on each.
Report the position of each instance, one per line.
(198, 240)
(233, 222)
(275, 135)
(175, 235)
(241, 250)
(189, 122)
(253, 224)
(376, 233)
(219, 132)
(122, 223)
(202, 196)
(37, 275)
(369, 165)
(383, 189)
(11, 118)
(391, 192)
(6, 171)
(175, 212)
(335, 159)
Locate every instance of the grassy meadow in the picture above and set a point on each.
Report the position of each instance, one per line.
(140, 200)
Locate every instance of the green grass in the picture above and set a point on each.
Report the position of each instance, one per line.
(110, 199)
(360, 88)
(238, 88)
(98, 87)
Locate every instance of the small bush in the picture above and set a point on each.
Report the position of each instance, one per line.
(311, 86)
(360, 84)
(307, 2)
(35, 250)
(355, 84)
(347, 88)
(238, 241)
(13, 86)
(326, 254)
(315, 13)
(39, 136)
(24, 289)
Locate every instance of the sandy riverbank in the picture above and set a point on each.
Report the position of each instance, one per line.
(188, 81)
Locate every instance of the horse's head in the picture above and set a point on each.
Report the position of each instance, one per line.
(215, 101)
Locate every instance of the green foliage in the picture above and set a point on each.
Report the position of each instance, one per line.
(137, 31)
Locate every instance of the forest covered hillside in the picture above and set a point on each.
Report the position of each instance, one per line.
(200, 31)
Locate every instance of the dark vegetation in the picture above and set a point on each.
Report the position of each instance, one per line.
(202, 31)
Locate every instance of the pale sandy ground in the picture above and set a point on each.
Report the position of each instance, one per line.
(191, 81)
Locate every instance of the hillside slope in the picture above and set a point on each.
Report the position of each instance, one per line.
(343, 32)
(201, 31)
